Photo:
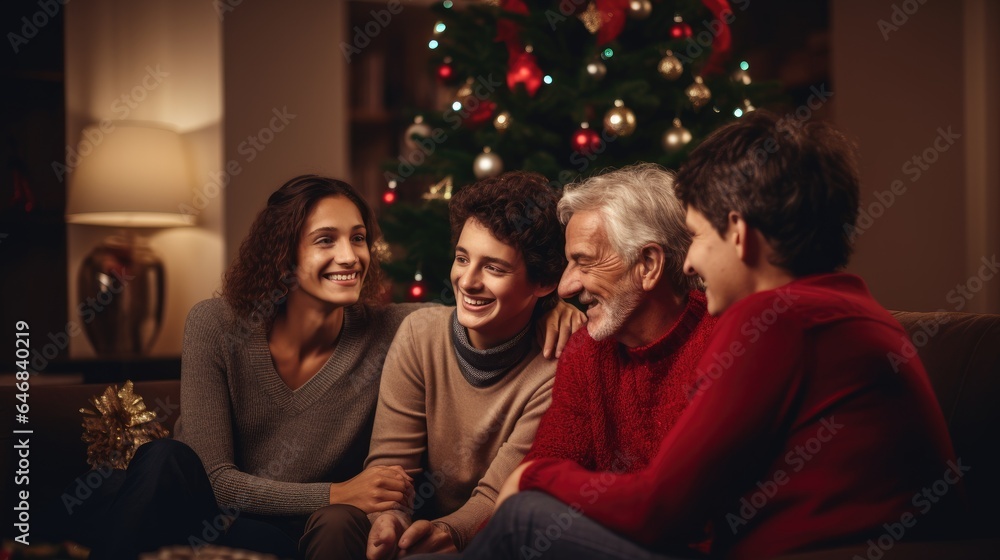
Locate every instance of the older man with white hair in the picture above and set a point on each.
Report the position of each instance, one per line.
(622, 383)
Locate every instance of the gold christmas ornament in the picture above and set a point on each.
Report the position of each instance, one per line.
(741, 76)
(465, 91)
(670, 66)
(596, 69)
(502, 121)
(591, 18)
(698, 93)
(620, 120)
(640, 9)
(676, 137)
(117, 427)
(440, 190)
(380, 249)
(487, 164)
(748, 107)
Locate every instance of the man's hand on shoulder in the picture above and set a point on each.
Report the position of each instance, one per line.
(556, 326)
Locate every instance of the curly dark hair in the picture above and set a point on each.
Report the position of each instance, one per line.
(519, 209)
(259, 279)
(797, 183)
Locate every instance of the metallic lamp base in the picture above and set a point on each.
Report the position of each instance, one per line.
(121, 286)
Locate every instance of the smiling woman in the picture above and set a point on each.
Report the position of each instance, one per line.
(307, 210)
(279, 380)
(333, 254)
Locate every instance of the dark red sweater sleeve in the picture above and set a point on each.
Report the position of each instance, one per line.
(559, 434)
(710, 453)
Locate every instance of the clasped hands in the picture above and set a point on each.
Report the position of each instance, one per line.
(394, 536)
(386, 494)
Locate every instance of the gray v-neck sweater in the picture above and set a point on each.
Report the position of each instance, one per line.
(269, 450)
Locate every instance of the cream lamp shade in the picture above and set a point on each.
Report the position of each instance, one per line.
(134, 175)
(130, 175)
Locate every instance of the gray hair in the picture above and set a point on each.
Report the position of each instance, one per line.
(638, 206)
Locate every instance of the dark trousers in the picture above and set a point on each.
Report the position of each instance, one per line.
(165, 498)
(536, 525)
(336, 531)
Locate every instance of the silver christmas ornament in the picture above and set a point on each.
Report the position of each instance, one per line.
(487, 164)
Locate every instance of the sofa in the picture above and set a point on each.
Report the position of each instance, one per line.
(57, 453)
(961, 352)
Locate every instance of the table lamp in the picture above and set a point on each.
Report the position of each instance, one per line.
(136, 176)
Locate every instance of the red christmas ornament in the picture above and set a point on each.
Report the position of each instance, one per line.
(389, 197)
(445, 72)
(483, 113)
(680, 30)
(586, 141)
(524, 70)
(417, 291)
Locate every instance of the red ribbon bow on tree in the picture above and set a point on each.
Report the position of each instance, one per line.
(612, 19)
(723, 39)
(508, 30)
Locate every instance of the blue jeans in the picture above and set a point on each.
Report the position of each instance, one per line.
(535, 525)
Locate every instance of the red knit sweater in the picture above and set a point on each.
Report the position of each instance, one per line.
(808, 431)
(612, 405)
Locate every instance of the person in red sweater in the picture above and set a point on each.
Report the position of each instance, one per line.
(622, 383)
(805, 429)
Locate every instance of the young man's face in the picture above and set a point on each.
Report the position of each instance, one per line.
(716, 261)
(495, 299)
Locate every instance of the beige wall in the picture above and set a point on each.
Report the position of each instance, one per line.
(895, 94)
(281, 57)
(110, 44)
(982, 120)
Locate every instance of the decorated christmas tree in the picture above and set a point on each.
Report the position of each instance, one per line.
(565, 88)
